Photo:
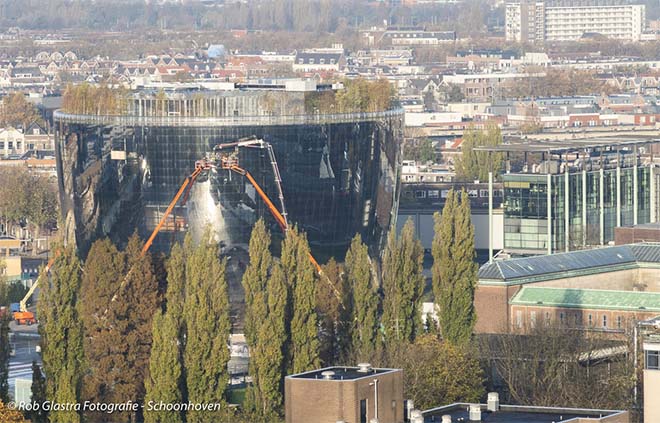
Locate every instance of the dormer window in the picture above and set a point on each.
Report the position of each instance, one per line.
(311, 61)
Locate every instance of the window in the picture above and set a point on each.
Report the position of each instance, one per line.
(322, 61)
(2, 145)
(547, 318)
(420, 194)
(652, 360)
(519, 320)
(604, 320)
(532, 319)
(561, 317)
(11, 145)
(311, 61)
(619, 322)
(590, 320)
(363, 411)
(472, 193)
(434, 193)
(483, 193)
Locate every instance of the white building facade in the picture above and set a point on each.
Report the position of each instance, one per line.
(570, 20)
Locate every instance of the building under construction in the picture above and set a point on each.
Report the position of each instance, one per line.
(338, 172)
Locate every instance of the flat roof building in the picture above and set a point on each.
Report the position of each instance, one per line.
(493, 412)
(345, 394)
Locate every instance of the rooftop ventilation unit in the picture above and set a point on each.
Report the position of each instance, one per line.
(364, 367)
(493, 401)
(328, 375)
(474, 412)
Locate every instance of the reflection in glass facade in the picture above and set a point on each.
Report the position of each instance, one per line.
(339, 172)
(117, 174)
(585, 207)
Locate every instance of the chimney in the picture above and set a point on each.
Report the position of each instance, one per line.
(493, 401)
(446, 418)
(328, 375)
(474, 412)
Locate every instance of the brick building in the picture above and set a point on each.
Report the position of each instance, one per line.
(345, 394)
(649, 232)
(614, 285)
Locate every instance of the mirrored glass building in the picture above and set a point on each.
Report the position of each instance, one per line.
(339, 171)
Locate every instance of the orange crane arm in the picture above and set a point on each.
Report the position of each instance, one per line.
(186, 184)
(271, 207)
(23, 303)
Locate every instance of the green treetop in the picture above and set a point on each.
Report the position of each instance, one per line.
(454, 269)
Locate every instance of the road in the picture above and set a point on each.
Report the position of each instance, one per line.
(24, 339)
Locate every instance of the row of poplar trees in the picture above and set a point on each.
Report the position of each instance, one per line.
(111, 333)
(297, 320)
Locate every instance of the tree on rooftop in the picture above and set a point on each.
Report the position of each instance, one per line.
(454, 269)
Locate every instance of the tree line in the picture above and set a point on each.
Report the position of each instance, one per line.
(122, 326)
(27, 199)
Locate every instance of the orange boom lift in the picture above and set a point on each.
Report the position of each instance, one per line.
(230, 162)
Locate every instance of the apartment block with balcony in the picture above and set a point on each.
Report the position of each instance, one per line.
(569, 20)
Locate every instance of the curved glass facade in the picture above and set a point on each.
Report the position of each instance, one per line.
(339, 173)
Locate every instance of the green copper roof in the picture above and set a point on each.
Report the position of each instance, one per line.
(587, 298)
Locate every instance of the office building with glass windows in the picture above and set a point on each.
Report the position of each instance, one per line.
(569, 195)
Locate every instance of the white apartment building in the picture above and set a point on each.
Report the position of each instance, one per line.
(570, 20)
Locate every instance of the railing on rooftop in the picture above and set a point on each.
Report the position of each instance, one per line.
(266, 120)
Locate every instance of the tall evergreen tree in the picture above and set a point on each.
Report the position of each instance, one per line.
(333, 309)
(38, 415)
(61, 332)
(272, 339)
(301, 280)
(403, 285)
(207, 326)
(454, 269)
(165, 364)
(365, 300)
(5, 348)
(255, 281)
(112, 312)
